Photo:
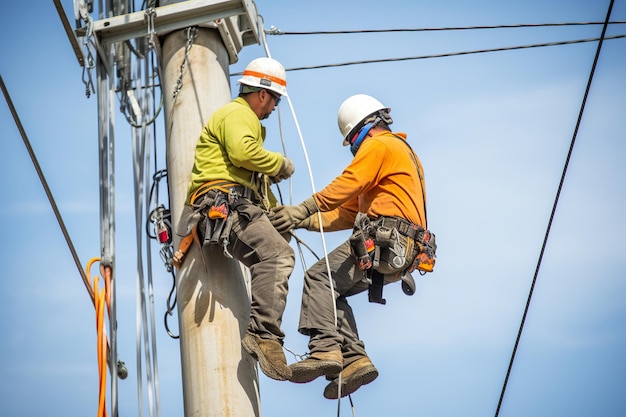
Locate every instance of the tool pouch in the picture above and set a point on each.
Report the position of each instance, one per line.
(361, 249)
(361, 242)
(427, 254)
(216, 213)
(390, 254)
(219, 220)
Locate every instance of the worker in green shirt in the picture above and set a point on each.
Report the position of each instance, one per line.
(228, 200)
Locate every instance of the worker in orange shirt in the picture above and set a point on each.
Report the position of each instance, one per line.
(381, 196)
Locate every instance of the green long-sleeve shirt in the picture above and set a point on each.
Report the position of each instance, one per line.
(231, 148)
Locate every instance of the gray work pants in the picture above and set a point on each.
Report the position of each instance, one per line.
(317, 318)
(257, 244)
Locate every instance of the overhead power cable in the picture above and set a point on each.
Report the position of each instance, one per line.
(448, 54)
(275, 31)
(46, 188)
(556, 200)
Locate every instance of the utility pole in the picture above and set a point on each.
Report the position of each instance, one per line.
(213, 302)
(200, 39)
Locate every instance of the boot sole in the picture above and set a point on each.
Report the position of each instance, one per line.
(352, 383)
(306, 372)
(252, 347)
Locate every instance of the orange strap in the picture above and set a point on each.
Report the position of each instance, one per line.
(277, 80)
(183, 247)
(212, 185)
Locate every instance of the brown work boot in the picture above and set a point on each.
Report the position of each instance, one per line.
(318, 364)
(270, 355)
(358, 373)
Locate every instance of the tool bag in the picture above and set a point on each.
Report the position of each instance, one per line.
(391, 245)
(212, 209)
(425, 259)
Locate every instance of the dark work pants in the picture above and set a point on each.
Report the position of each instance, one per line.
(317, 317)
(257, 244)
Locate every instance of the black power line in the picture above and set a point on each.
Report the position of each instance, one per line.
(46, 188)
(276, 31)
(447, 54)
(556, 200)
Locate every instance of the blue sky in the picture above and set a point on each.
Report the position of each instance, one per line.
(492, 131)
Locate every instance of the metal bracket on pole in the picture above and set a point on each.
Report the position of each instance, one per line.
(236, 21)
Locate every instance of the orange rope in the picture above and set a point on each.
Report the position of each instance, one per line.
(101, 298)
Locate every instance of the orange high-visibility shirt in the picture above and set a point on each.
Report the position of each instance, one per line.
(382, 180)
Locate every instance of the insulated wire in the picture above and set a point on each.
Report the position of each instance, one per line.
(46, 188)
(101, 349)
(276, 31)
(102, 299)
(449, 54)
(556, 200)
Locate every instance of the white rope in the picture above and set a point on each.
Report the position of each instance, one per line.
(313, 189)
(319, 214)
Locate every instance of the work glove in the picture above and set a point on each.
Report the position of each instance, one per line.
(285, 218)
(304, 224)
(285, 171)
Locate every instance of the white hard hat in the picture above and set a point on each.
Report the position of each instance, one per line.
(265, 73)
(353, 111)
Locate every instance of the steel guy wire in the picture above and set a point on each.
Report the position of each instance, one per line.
(556, 200)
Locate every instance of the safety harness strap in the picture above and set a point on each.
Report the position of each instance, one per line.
(404, 227)
(227, 187)
(375, 291)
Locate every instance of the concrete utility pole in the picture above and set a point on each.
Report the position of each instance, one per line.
(200, 38)
(213, 305)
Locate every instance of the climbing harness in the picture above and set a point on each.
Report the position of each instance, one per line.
(212, 203)
(423, 239)
(388, 245)
(391, 245)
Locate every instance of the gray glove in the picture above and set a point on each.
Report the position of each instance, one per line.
(304, 224)
(285, 171)
(285, 218)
